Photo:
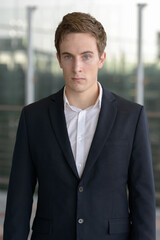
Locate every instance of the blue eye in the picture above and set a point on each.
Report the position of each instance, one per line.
(68, 57)
(86, 57)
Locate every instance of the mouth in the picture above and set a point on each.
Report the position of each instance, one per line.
(78, 79)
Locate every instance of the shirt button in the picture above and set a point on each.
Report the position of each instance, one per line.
(81, 189)
(79, 165)
(80, 138)
(80, 221)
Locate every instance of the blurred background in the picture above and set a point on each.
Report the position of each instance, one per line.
(29, 69)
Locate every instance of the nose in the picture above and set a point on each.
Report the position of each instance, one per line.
(77, 66)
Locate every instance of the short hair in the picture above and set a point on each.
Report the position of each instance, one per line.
(78, 22)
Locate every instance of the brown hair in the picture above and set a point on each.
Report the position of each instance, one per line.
(78, 22)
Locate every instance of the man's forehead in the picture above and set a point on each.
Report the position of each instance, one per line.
(70, 37)
(81, 42)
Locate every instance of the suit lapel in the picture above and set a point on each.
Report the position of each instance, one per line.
(104, 126)
(56, 112)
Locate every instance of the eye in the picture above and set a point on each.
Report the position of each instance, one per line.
(67, 57)
(86, 57)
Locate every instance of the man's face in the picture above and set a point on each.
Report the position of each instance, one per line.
(80, 61)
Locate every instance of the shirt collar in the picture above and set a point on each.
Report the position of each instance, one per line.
(97, 103)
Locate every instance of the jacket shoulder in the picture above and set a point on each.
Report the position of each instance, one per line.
(42, 104)
(123, 104)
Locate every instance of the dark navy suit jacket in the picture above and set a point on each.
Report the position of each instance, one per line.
(113, 200)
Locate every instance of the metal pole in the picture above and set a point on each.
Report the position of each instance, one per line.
(140, 70)
(29, 86)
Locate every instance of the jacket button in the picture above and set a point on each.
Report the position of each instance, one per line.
(81, 189)
(80, 221)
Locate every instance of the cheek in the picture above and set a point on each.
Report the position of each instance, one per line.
(66, 68)
(92, 68)
(93, 64)
(66, 72)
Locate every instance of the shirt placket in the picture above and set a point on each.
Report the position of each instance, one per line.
(80, 141)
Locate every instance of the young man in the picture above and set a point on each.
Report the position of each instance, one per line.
(87, 148)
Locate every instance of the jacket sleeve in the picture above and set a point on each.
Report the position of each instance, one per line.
(21, 188)
(141, 184)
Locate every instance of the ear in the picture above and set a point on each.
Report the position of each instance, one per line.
(102, 60)
(59, 60)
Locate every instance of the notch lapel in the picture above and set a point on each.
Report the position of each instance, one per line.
(105, 124)
(58, 122)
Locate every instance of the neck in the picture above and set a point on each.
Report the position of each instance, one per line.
(84, 99)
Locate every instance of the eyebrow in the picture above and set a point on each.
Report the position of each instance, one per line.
(86, 52)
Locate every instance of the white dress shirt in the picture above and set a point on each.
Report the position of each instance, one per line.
(81, 126)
